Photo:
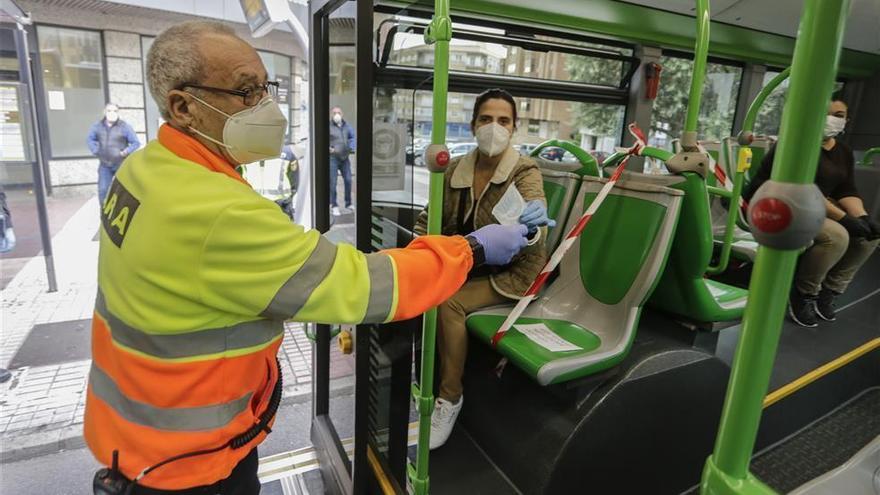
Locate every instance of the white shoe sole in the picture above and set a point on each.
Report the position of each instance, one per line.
(799, 322)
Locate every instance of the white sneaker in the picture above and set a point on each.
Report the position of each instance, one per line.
(442, 421)
(350, 208)
(335, 211)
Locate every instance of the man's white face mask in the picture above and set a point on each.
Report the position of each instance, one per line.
(337, 118)
(492, 138)
(253, 134)
(833, 126)
(111, 116)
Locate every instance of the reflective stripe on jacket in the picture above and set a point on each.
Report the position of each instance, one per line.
(197, 273)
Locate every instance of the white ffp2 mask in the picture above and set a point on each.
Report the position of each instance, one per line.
(253, 134)
(492, 138)
(833, 126)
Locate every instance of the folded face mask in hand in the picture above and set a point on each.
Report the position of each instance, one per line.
(509, 208)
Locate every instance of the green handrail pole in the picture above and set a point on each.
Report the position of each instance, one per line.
(752, 114)
(439, 32)
(866, 160)
(732, 215)
(814, 65)
(698, 76)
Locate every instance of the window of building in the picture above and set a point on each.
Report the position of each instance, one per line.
(8, 56)
(73, 82)
(278, 69)
(534, 127)
(717, 109)
(154, 118)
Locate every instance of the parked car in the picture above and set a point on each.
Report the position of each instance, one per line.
(455, 150)
(460, 149)
(525, 149)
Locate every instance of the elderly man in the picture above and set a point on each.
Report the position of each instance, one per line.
(197, 273)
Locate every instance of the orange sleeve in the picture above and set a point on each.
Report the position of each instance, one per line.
(429, 271)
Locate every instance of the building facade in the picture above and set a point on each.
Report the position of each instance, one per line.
(87, 53)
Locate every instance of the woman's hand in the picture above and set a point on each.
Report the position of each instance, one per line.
(535, 215)
(857, 227)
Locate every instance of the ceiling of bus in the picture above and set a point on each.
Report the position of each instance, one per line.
(782, 17)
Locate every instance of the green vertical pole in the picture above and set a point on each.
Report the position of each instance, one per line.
(698, 76)
(439, 32)
(812, 76)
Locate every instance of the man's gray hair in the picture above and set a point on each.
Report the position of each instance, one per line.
(174, 58)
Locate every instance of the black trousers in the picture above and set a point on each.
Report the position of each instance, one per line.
(242, 481)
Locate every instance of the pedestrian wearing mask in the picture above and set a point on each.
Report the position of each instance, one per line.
(848, 235)
(474, 185)
(110, 140)
(342, 144)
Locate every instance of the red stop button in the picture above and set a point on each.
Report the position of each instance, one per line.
(770, 215)
(442, 158)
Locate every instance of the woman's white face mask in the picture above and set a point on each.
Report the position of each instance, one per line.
(492, 138)
(253, 134)
(833, 126)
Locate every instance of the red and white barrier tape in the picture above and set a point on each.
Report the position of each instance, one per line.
(569, 241)
(722, 178)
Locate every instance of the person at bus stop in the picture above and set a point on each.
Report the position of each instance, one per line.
(848, 235)
(197, 273)
(111, 140)
(473, 185)
(342, 144)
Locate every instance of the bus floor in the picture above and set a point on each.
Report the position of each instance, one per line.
(830, 403)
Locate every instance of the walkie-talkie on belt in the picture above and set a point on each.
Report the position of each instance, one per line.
(111, 481)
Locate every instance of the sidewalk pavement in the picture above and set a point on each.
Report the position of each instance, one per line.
(41, 407)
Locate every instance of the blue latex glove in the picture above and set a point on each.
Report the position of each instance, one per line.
(501, 242)
(535, 215)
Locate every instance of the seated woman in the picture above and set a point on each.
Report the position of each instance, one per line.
(473, 186)
(848, 235)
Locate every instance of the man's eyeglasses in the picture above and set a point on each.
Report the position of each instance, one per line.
(250, 96)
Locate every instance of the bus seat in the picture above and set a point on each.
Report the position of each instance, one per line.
(604, 280)
(683, 289)
(714, 150)
(561, 183)
(560, 189)
(744, 246)
(760, 146)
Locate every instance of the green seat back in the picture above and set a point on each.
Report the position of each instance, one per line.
(612, 254)
(560, 189)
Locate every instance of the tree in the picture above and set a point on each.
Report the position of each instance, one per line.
(670, 107)
(600, 119)
(770, 115)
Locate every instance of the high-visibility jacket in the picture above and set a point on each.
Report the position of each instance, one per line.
(196, 274)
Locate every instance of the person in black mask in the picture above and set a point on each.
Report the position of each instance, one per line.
(848, 235)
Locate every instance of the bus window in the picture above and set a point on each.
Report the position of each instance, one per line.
(594, 127)
(482, 49)
(770, 115)
(718, 103)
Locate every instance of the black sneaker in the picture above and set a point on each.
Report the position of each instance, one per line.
(825, 304)
(802, 309)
